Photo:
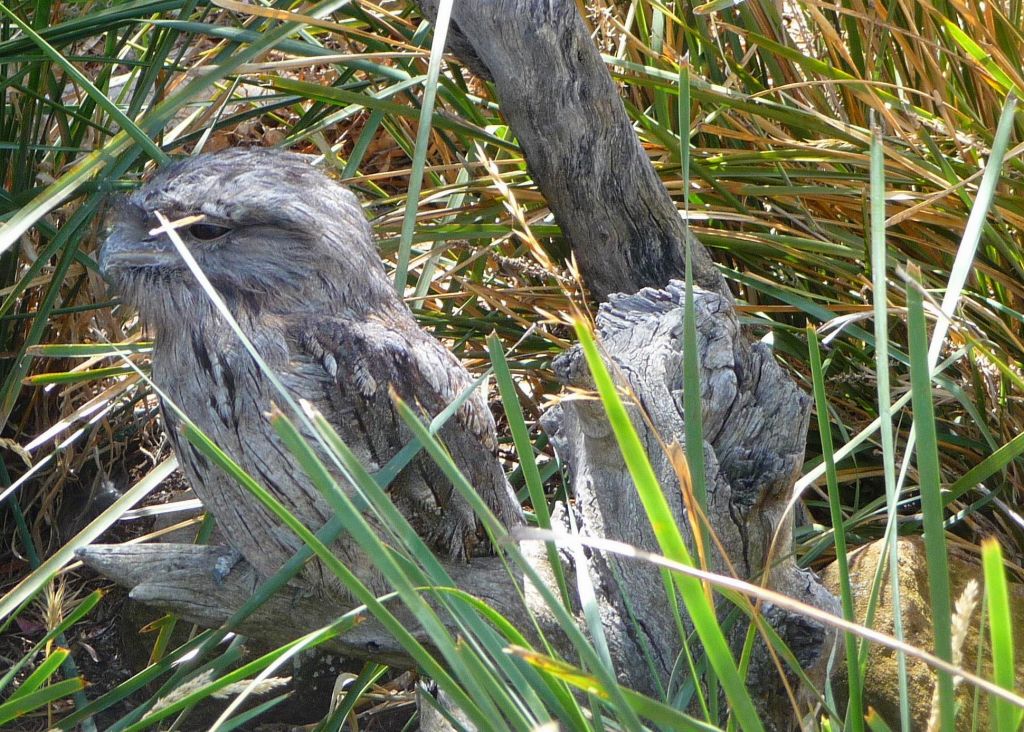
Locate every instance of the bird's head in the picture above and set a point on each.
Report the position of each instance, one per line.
(266, 228)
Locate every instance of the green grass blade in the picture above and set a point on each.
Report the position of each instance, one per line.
(702, 613)
(963, 265)
(524, 449)
(480, 706)
(880, 304)
(657, 712)
(444, 11)
(40, 674)
(87, 350)
(931, 494)
(76, 377)
(694, 416)
(269, 660)
(249, 716)
(22, 705)
(978, 53)
(139, 137)
(80, 611)
(693, 411)
(568, 623)
(988, 467)
(875, 721)
(1005, 716)
(90, 533)
(855, 714)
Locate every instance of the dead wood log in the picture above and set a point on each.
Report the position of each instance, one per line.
(754, 424)
(206, 585)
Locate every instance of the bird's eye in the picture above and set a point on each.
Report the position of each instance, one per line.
(207, 232)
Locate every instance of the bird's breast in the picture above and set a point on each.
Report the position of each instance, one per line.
(216, 383)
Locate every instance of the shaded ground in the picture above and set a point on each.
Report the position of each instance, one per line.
(115, 641)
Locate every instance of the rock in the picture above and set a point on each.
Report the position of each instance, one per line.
(881, 687)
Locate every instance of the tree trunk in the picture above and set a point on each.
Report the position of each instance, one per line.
(627, 235)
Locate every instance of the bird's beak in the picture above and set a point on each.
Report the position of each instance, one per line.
(127, 248)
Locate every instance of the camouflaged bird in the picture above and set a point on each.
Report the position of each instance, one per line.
(293, 257)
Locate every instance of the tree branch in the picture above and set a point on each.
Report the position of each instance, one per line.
(580, 146)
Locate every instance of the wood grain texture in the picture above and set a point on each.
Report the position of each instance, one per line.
(755, 422)
(207, 584)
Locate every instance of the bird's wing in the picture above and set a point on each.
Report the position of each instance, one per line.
(374, 358)
(368, 359)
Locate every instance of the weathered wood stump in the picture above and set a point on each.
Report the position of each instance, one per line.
(754, 424)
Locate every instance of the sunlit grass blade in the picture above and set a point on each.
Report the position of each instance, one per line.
(89, 534)
(321, 551)
(22, 705)
(80, 611)
(246, 718)
(524, 449)
(77, 377)
(854, 713)
(875, 721)
(137, 136)
(655, 711)
(262, 667)
(444, 11)
(87, 350)
(41, 674)
(963, 264)
(369, 675)
(567, 621)
(693, 411)
(481, 705)
(964, 40)
(880, 305)
(997, 461)
(1004, 672)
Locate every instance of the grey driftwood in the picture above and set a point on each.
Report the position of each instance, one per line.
(627, 235)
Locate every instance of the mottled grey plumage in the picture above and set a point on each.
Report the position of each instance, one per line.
(293, 256)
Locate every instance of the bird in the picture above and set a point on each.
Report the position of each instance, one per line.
(294, 259)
